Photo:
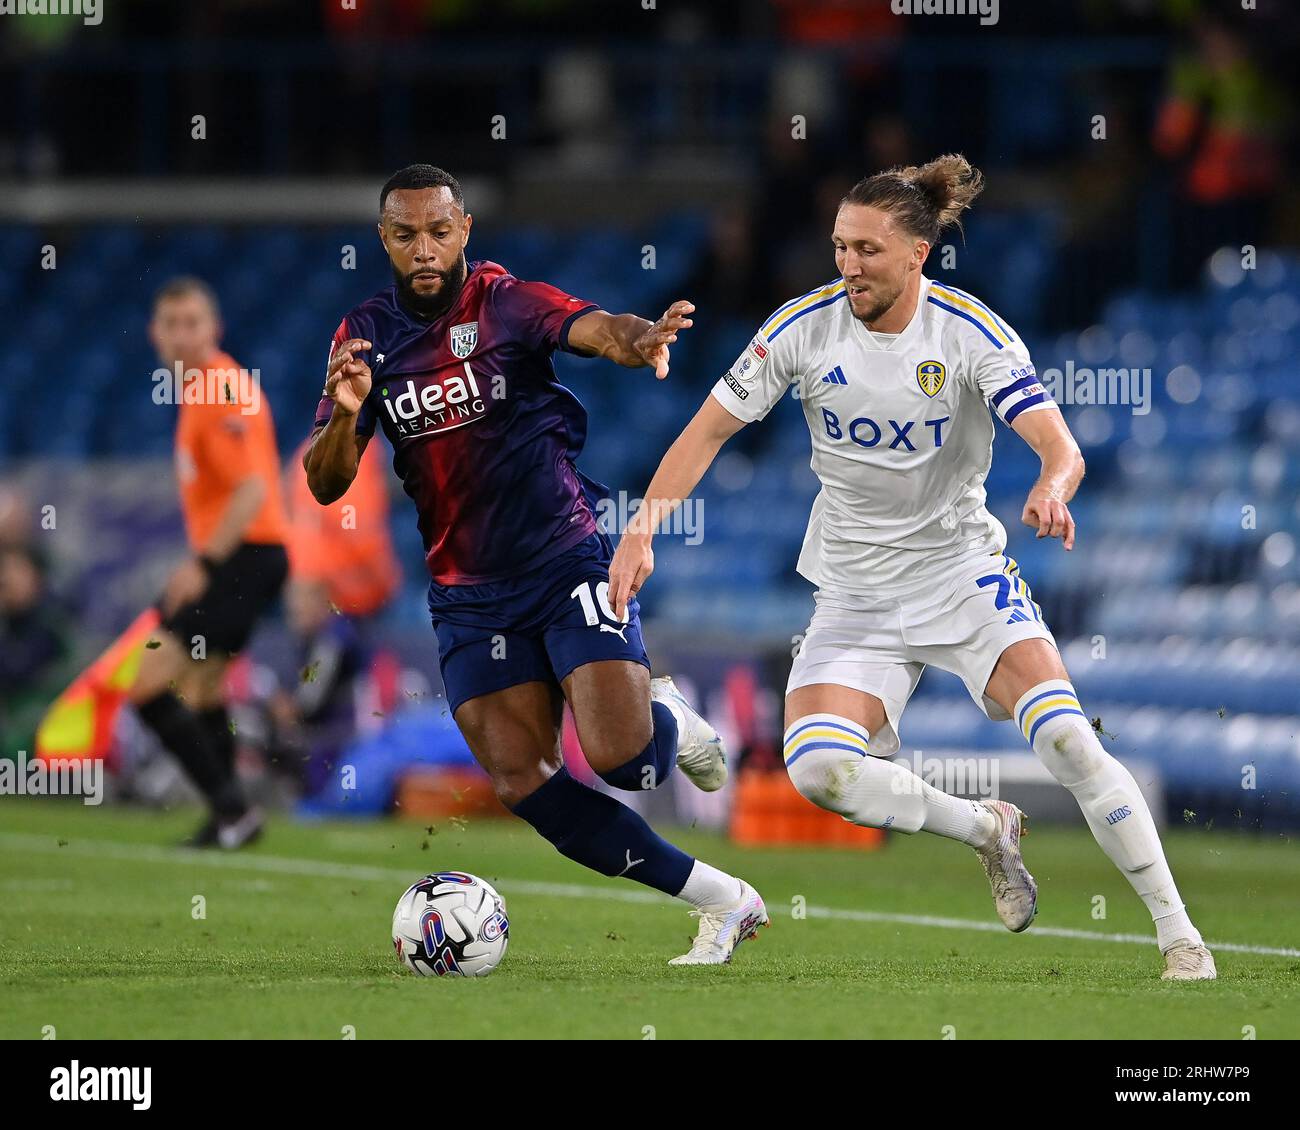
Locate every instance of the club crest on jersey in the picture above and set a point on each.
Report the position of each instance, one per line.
(463, 339)
(930, 375)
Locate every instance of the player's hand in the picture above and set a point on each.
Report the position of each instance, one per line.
(652, 346)
(1051, 517)
(186, 584)
(347, 378)
(633, 562)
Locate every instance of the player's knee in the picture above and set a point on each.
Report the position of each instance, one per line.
(609, 755)
(648, 769)
(634, 752)
(822, 777)
(1072, 753)
(160, 668)
(821, 753)
(511, 785)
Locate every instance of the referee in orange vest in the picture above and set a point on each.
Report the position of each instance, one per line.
(228, 470)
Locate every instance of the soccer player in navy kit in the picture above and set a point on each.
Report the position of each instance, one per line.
(453, 362)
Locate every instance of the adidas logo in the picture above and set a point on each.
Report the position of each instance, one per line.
(835, 377)
(1017, 617)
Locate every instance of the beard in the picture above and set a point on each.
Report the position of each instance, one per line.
(431, 306)
(880, 308)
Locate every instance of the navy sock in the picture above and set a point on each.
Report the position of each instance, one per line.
(597, 831)
(650, 768)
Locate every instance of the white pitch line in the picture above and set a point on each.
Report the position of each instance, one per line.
(1033, 931)
(286, 865)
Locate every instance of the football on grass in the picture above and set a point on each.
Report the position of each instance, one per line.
(451, 924)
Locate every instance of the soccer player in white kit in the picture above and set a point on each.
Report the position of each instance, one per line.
(899, 377)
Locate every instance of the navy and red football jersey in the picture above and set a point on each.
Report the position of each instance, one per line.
(484, 436)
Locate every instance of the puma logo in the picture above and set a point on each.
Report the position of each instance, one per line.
(617, 631)
(630, 864)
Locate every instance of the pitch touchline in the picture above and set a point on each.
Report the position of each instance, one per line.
(286, 865)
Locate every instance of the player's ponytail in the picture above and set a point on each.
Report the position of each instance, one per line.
(924, 199)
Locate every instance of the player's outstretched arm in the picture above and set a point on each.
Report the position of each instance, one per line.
(680, 471)
(1046, 508)
(331, 459)
(629, 340)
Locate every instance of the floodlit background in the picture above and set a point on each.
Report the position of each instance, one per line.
(1141, 214)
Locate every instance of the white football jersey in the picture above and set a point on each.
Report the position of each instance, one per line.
(902, 434)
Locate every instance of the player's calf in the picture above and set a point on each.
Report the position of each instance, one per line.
(647, 769)
(180, 731)
(1054, 724)
(596, 831)
(828, 761)
(629, 738)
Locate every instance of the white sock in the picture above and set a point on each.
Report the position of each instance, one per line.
(1050, 717)
(707, 888)
(957, 818)
(827, 759)
(1175, 927)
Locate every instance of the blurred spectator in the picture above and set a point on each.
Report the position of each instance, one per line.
(1222, 122)
(1095, 221)
(346, 546)
(730, 278)
(343, 571)
(317, 718)
(887, 142)
(834, 23)
(35, 648)
(15, 517)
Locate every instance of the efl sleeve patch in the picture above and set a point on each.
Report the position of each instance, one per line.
(756, 381)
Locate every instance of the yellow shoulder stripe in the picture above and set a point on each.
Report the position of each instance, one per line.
(796, 308)
(968, 307)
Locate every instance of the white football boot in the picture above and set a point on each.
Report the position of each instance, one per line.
(721, 931)
(1187, 961)
(1015, 894)
(700, 754)
(235, 834)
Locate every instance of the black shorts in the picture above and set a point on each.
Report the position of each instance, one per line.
(239, 591)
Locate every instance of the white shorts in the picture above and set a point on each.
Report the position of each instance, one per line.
(961, 622)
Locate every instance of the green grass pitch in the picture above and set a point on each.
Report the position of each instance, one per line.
(99, 938)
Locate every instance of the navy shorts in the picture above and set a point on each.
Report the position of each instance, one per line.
(536, 627)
